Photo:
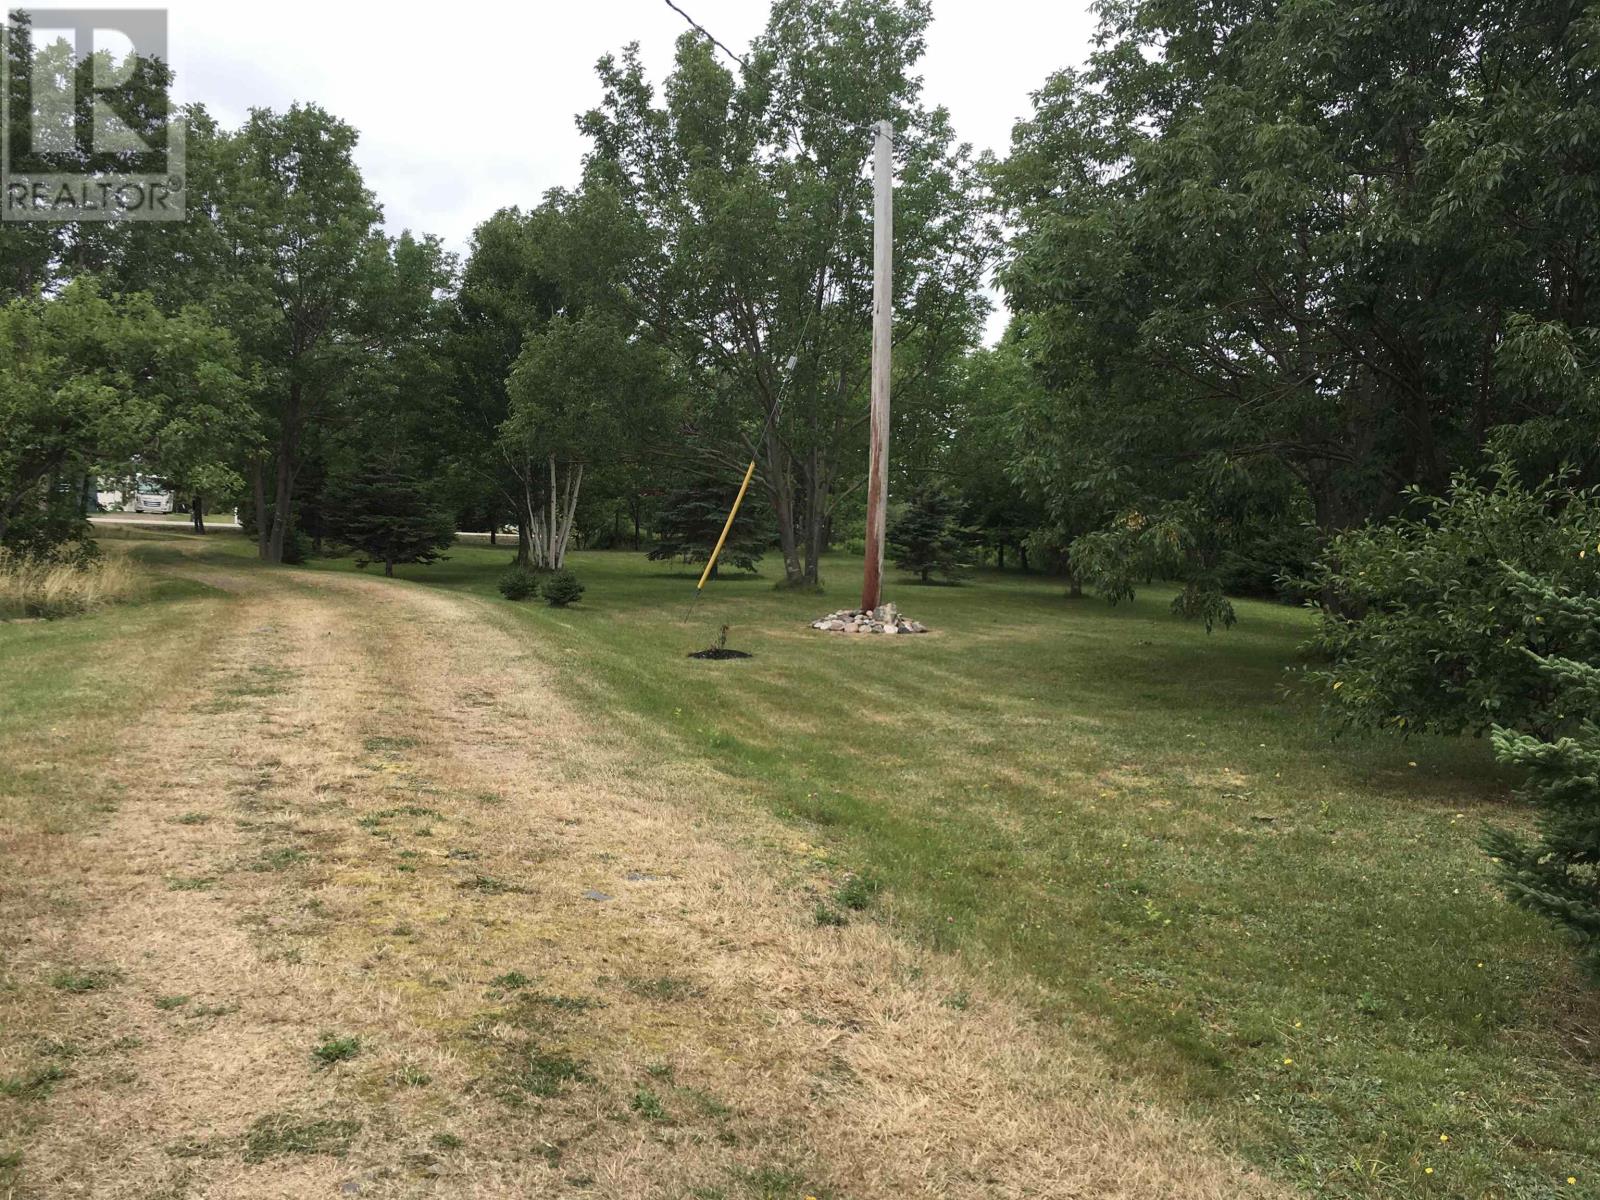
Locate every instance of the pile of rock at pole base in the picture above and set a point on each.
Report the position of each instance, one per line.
(886, 618)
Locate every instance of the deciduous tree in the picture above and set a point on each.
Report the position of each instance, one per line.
(91, 381)
(732, 219)
(1333, 245)
(583, 389)
(299, 225)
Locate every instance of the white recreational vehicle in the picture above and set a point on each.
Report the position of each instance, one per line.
(151, 498)
(141, 494)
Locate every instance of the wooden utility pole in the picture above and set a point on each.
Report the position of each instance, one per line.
(882, 345)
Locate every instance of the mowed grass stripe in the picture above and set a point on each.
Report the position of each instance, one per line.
(1153, 826)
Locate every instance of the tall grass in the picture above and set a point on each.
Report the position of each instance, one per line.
(62, 586)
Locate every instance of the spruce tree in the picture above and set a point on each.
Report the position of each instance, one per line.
(927, 539)
(1557, 872)
(691, 520)
(388, 515)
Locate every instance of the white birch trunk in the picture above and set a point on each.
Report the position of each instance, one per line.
(569, 514)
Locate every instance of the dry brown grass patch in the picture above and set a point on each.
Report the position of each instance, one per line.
(64, 585)
(696, 1029)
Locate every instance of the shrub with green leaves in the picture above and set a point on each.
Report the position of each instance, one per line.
(1428, 622)
(561, 588)
(519, 582)
(1557, 872)
(1175, 541)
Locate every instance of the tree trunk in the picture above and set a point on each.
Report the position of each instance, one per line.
(779, 482)
(494, 530)
(530, 530)
(288, 453)
(1000, 556)
(197, 513)
(258, 492)
(815, 519)
(569, 514)
(280, 511)
(388, 568)
(550, 541)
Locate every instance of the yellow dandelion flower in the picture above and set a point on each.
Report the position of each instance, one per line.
(1444, 1137)
(1572, 1179)
(1427, 1170)
(1288, 1062)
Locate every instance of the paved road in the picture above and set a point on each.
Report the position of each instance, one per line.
(179, 523)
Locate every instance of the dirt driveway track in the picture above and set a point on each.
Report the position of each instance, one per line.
(381, 914)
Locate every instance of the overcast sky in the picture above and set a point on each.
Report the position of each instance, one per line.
(466, 108)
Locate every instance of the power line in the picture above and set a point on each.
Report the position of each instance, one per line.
(708, 35)
(744, 65)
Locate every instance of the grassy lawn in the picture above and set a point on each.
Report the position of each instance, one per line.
(1293, 935)
(1296, 934)
(68, 683)
(66, 689)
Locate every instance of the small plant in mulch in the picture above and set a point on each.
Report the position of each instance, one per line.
(719, 649)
